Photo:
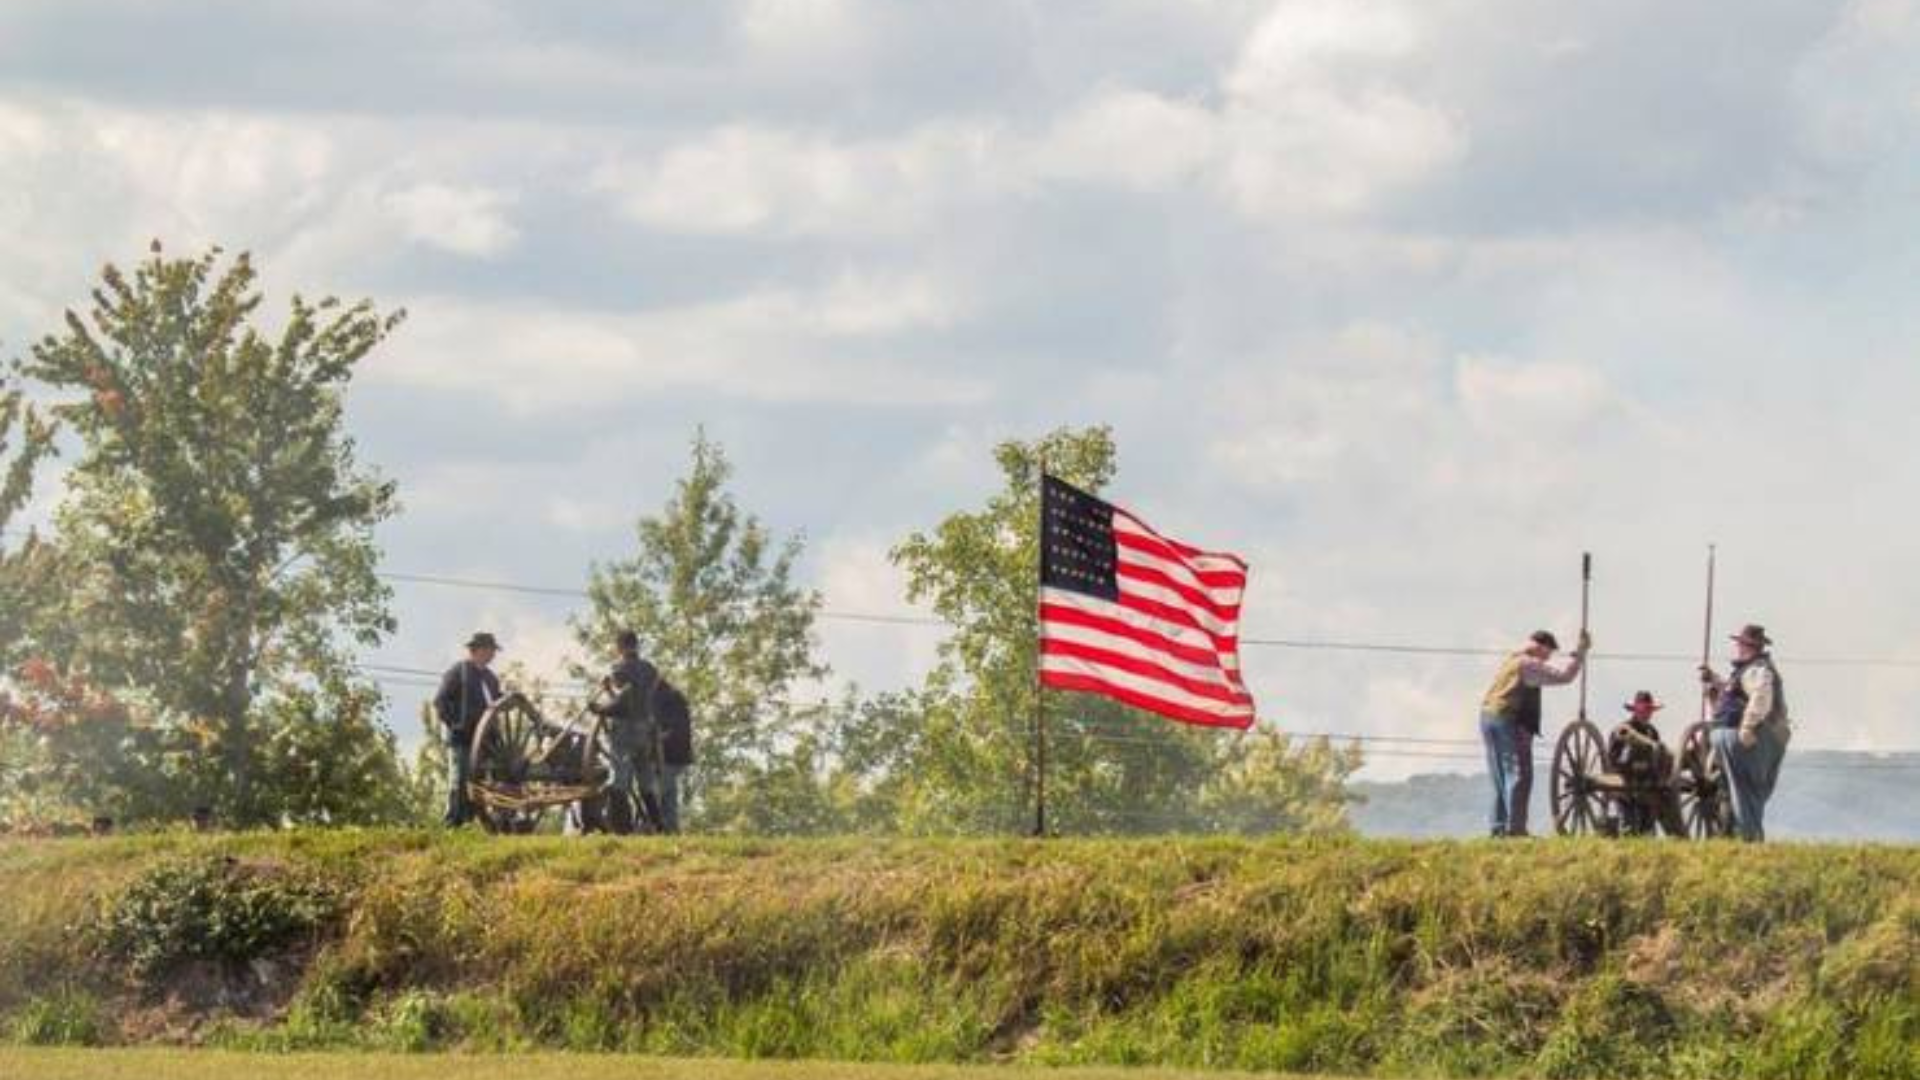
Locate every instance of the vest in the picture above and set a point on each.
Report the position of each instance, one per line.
(1731, 709)
(1511, 699)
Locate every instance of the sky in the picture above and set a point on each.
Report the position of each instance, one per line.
(1408, 302)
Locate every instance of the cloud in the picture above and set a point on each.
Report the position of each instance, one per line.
(463, 220)
(776, 346)
(749, 179)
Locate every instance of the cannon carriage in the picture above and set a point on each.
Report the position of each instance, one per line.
(1587, 795)
(524, 764)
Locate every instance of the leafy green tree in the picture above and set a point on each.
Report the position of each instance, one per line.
(710, 592)
(218, 528)
(1110, 768)
(26, 575)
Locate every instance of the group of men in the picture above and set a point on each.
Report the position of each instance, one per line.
(1749, 736)
(649, 735)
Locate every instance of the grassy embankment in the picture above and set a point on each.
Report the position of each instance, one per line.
(152, 1064)
(1560, 959)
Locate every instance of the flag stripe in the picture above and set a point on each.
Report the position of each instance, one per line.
(1126, 656)
(1165, 606)
(1198, 599)
(1151, 702)
(1111, 619)
(1127, 526)
(1225, 586)
(1145, 684)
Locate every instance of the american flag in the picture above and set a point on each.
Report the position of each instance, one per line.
(1135, 616)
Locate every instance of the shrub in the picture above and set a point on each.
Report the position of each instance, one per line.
(213, 909)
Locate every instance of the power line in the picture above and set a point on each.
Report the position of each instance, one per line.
(1297, 644)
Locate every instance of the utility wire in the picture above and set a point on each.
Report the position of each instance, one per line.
(1298, 644)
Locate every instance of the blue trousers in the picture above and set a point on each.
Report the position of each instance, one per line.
(1750, 773)
(1510, 767)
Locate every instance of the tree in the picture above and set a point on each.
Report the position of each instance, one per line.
(710, 593)
(26, 439)
(1110, 769)
(218, 529)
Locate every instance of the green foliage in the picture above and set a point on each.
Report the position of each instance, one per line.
(215, 909)
(27, 570)
(63, 1018)
(217, 537)
(710, 592)
(1110, 769)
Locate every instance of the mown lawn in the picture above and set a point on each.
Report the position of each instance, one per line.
(25, 1064)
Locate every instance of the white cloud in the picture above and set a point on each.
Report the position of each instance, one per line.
(1130, 138)
(1503, 398)
(774, 346)
(749, 179)
(463, 220)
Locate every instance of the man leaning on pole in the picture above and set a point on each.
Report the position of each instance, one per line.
(1750, 728)
(1510, 721)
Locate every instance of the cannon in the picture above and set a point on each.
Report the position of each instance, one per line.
(523, 764)
(1588, 796)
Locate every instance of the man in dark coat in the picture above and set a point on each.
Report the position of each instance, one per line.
(676, 751)
(630, 690)
(1638, 755)
(466, 691)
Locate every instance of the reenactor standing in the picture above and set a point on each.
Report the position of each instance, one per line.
(1510, 721)
(631, 689)
(1750, 728)
(676, 751)
(467, 690)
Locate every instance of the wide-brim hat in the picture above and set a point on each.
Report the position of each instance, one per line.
(1755, 635)
(1643, 698)
(1546, 638)
(483, 640)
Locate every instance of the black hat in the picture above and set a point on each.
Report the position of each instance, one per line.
(1545, 637)
(1644, 697)
(1755, 635)
(627, 641)
(483, 640)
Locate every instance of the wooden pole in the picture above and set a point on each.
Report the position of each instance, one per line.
(1586, 589)
(1039, 688)
(1706, 636)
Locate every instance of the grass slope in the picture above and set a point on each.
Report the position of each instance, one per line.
(1577, 959)
(148, 1064)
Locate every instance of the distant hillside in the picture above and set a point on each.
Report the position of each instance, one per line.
(1822, 796)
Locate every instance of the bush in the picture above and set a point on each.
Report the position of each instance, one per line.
(215, 909)
(64, 1018)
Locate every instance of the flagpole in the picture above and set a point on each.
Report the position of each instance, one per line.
(1706, 636)
(1586, 587)
(1039, 687)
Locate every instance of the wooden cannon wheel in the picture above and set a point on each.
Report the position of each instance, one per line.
(522, 766)
(1576, 788)
(1704, 805)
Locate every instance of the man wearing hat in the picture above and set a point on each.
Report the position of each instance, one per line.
(466, 691)
(1510, 721)
(1750, 727)
(1638, 755)
(629, 704)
